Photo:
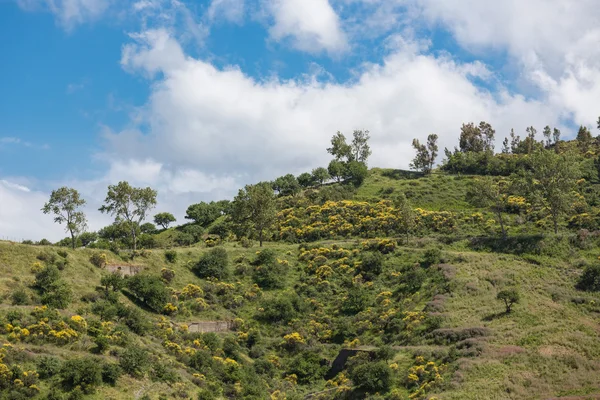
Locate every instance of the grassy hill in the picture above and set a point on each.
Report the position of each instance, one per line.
(420, 317)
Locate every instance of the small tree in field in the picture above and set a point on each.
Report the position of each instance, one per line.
(485, 192)
(164, 219)
(254, 210)
(130, 205)
(509, 297)
(426, 154)
(65, 203)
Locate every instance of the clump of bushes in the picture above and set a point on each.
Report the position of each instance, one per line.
(171, 256)
(212, 264)
(590, 279)
(55, 292)
(150, 290)
(509, 297)
(98, 260)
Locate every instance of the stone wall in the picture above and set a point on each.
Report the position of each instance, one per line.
(209, 326)
(124, 270)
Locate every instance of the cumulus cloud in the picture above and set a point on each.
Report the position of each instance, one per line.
(237, 127)
(69, 13)
(229, 10)
(310, 25)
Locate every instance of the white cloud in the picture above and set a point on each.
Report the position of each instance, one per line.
(229, 10)
(223, 121)
(311, 25)
(69, 13)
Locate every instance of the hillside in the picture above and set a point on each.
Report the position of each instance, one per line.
(420, 317)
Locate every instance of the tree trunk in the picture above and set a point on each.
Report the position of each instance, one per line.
(134, 238)
(260, 237)
(502, 225)
(72, 239)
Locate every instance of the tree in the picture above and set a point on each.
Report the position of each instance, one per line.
(164, 219)
(515, 140)
(556, 135)
(65, 204)
(548, 136)
(320, 175)
(485, 192)
(305, 180)
(254, 209)
(584, 139)
(405, 214)
(426, 154)
(88, 238)
(205, 214)
(509, 297)
(505, 146)
(552, 181)
(476, 138)
(130, 205)
(286, 185)
(360, 150)
(356, 172)
(336, 170)
(339, 148)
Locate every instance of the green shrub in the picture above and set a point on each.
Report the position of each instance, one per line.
(83, 372)
(171, 256)
(150, 290)
(307, 366)
(162, 373)
(19, 297)
(135, 320)
(112, 281)
(46, 277)
(111, 373)
(134, 361)
(58, 295)
(265, 256)
(590, 279)
(371, 377)
(212, 264)
(167, 275)
(270, 275)
(432, 257)
(277, 309)
(355, 301)
(48, 367)
(371, 263)
(98, 259)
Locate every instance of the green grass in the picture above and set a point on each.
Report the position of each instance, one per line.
(437, 191)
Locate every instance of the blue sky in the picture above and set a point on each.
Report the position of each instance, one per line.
(199, 98)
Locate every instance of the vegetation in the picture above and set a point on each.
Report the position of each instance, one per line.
(378, 284)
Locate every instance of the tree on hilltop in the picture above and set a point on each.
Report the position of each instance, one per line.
(65, 203)
(130, 205)
(164, 219)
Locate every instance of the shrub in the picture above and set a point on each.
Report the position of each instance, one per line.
(58, 295)
(307, 366)
(270, 275)
(212, 264)
(149, 289)
(371, 263)
(432, 257)
(372, 377)
(590, 279)
(48, 366)
(62, 253)
(171, 256)
(509, 297)
(112, 281)
(83, 372)
(134, 361)
(265, 256)
(167, 274)
(135, 320)
(278, 309)
(161, 372)
(46, 277)
(98, 260)
(355, 301)
(111, 373)
(19, 297)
